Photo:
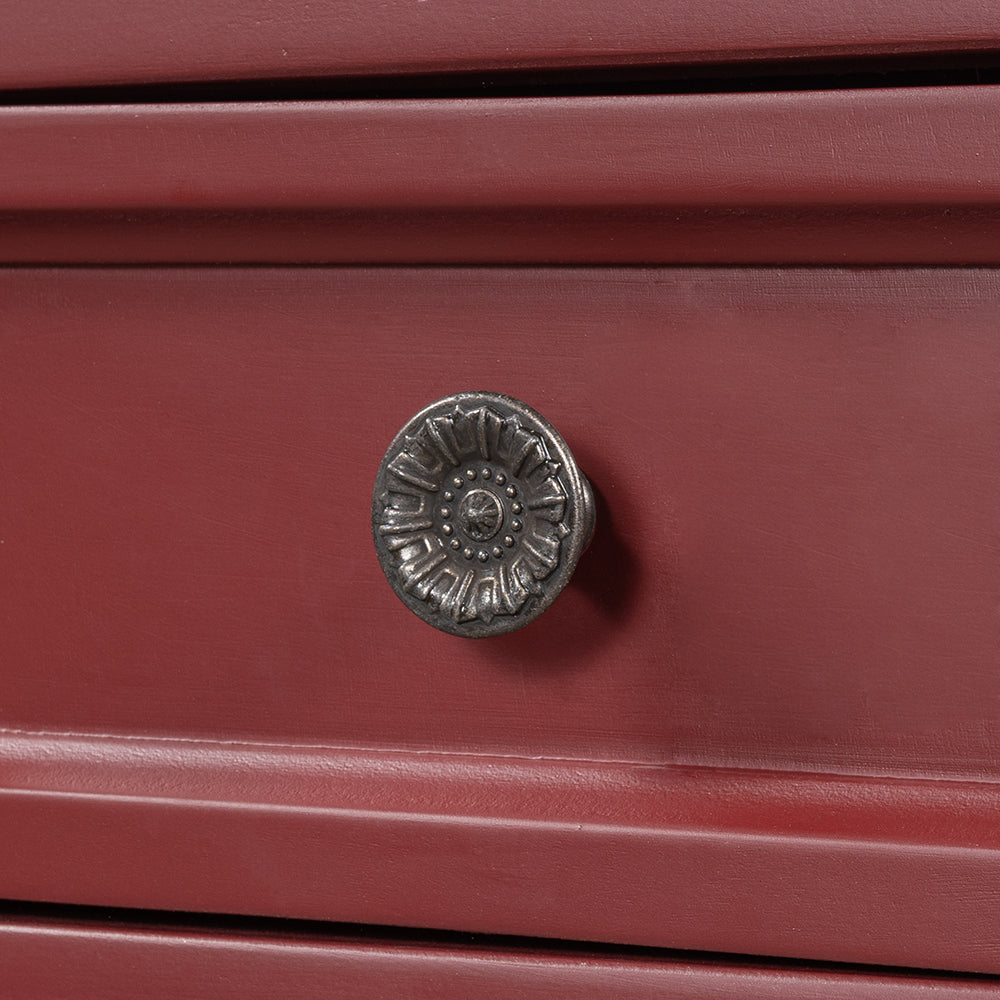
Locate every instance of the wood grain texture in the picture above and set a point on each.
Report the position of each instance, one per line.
(890, 176)
(875, 871)
(53, 959)
(795, 565)
(57, 43)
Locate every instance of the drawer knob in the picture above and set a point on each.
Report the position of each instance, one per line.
(479, 514)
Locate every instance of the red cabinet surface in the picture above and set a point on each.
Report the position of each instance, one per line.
(763, 718)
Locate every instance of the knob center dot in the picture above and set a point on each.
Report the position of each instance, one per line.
(480, 515)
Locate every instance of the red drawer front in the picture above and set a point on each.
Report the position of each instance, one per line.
(795, 567)
(796, 558)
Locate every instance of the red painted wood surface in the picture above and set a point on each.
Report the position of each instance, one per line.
(876, 871)
(795, 566)
(58, 43)
(891, 176)
(45, 960)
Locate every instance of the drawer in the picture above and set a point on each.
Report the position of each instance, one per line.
(761, 719)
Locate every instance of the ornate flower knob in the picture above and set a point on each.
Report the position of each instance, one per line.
(479, 514)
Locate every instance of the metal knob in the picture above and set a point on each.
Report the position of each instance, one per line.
(479, 514)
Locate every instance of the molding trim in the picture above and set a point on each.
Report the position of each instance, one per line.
(826, 867)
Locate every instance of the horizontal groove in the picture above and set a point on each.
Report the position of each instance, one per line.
(933, 69)
(97, 267)
(113, 920)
